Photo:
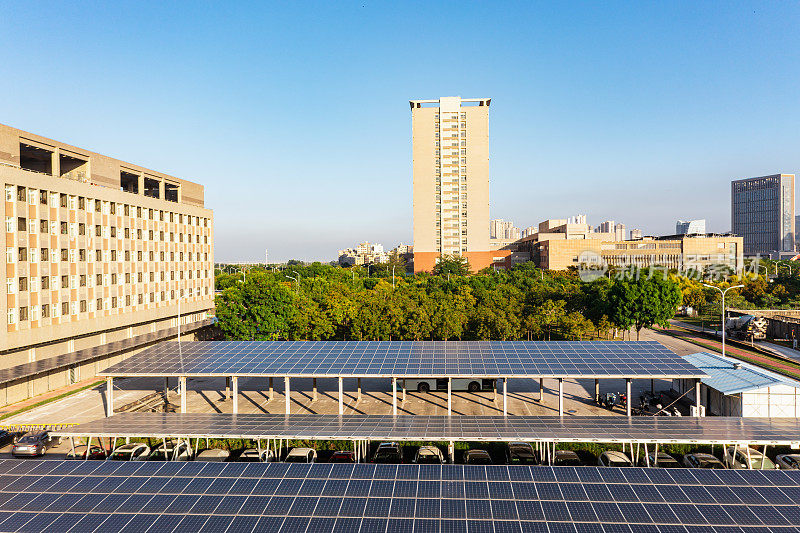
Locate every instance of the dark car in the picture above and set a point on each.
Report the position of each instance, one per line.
(33, 444)
(9, 437)
(661, 460)
(566, 458)
(477, 457)
(521, 453)
(343, 457)
(388, 453)
(95, 453)
(701, 460)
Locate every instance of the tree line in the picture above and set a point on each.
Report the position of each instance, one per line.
(325, 302)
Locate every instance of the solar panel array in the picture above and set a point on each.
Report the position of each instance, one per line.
(407, 359)
(443, 428)
(80, 496)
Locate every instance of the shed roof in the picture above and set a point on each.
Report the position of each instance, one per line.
(731, 376)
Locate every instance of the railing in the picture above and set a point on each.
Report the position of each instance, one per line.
(38, 427)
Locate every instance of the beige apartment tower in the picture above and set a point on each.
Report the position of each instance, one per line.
(100, 254)
(450, 152)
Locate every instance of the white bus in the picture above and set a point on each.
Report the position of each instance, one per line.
(440, 384)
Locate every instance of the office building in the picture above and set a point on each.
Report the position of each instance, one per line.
(100, 256)
(690, 227)
(636, 234)
(763, 214)
(450, 151)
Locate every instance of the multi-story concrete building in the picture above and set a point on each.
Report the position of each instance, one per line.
(364, 253)
(636, 233)
(503, 229)
(690, 227)
(100, 257)
(763, 214)
(450, 151)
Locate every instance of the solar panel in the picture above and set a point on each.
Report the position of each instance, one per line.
(601, 359)
(722, 430)
(480, 502)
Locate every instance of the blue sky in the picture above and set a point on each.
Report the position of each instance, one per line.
(295, 116)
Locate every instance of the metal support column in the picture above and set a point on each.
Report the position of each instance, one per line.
(597, 390)
(449, 396)
(394, 396)
(451, 452)
(271, 390)
(235, 394)
(697, 397)
(358, 386)
(228, 388)
(404, 391)
(183, 393)
(314, 389)
(109, 397)
(288, 394)
(341, 395)
(628, 399)
(166, 390)
(541, 389)
(560, 396)
(505, 397)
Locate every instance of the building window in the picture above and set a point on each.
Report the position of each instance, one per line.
(12, 316)
(23, 254)
(45, 310)
(23, 314)
(64, 308)
(23, 284)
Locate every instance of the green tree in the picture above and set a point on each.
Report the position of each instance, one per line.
(647, 299)
(454, 265)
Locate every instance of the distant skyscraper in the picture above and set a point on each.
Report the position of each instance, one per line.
(503, 229)
(450, 150)
(690, 227)
(636, 234)
(606, 227)
(763, 214)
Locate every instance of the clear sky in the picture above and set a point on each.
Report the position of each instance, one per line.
(295, 116)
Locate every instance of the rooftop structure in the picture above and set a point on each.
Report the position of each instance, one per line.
(690, 227)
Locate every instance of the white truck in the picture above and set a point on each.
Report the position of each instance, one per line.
(440, 384)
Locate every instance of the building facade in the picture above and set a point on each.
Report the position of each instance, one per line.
(763, 214)
(689, 227)
(450, 159)
(100, 256)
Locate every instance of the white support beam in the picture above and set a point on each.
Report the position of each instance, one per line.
(394, 396)
(541, 389)
(505, 397)
(183, 393)
(560, 396)
(288, 393)
(271, 390)
(358, 386)
(449, 396)
(109, 397)
(597, 390)
(314, 389)
(697, 397)
(235, 381)
(404, 391)
(341, 396)
(628, 399)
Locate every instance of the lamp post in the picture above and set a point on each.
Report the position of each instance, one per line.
(393, 276)
(723, 308)
(297, 287)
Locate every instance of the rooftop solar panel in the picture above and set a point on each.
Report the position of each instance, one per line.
(629, 359)
(488, 502)
(772, 431)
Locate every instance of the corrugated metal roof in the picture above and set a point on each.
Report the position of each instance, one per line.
(723, 377)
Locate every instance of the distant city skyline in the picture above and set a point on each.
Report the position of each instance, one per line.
(301, 132)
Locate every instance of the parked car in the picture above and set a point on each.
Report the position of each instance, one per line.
(757, 459)
(174, 451)
(566, 458)
(251, 455)
(701, 460)
(213, 455)
(477, 457)
(614, 458)
(343, 456)
(95, 452)
(33, 444)
(520, 453)
(429, 455)
(134, 451)
(660, 460)
(9, 437)
(301, 455)
(388, 453)
(788, 461)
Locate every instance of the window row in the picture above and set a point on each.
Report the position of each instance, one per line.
(75, 229)
(54, 199)
(73, 255)
(37, 312)
(75, 281)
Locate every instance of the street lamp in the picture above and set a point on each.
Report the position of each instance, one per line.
(393, 276)
(296, 281)
(723, 309)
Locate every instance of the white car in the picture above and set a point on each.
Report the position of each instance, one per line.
(429, 455)
(757, 459)
(302, 455)
(175, 451)
(134, 451)
(613, 458)
(250, 455)
(213, 455)
(788, 461)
